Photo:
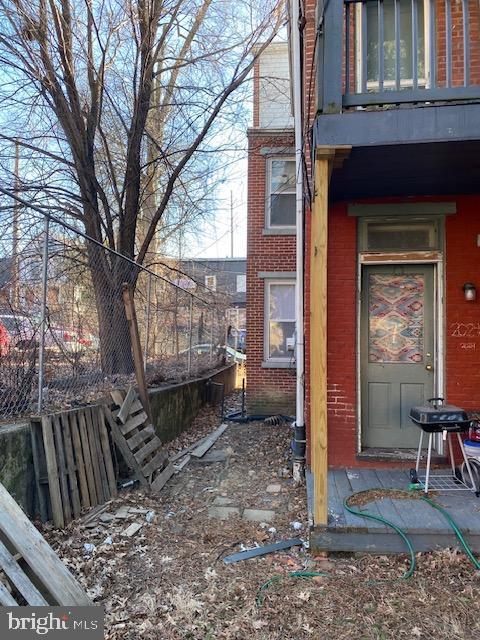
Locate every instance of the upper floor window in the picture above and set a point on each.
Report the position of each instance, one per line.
(281, 193)
(399, 30)
(241, 283)
(211, 282)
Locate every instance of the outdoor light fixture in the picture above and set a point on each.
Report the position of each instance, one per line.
(469, 291)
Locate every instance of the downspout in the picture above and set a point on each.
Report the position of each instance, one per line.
(299, 442)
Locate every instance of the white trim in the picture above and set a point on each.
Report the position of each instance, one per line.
(268, 188)
(438, 338)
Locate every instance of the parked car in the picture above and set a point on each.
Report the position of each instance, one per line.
(17, 332)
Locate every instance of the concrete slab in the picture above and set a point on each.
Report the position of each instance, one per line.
(274, 488)
(222, 512)
(211, 457)
(222, 501)
(259, 515)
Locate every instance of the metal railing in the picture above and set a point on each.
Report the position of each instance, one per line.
(381, 52)
(64, 338)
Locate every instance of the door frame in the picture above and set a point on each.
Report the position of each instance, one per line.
(434, 258)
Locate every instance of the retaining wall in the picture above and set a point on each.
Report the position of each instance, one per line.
(173, 408)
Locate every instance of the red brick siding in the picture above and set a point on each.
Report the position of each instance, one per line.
(269, 390)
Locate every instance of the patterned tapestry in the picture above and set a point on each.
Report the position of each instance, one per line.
(396, 318)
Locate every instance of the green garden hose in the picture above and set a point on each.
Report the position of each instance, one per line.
(364, 514)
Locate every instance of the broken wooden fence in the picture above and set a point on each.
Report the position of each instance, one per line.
(73, 463)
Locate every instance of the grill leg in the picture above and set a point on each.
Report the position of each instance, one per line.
(450, 453)
(419, 452)
(467, 463)
(429, 457)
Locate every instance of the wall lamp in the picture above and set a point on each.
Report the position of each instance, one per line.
(469, 291)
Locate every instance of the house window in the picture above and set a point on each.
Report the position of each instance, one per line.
(405, 34)
(404, 235)
(281, 193)
(241, 283)
(211, 282)
(279, 320)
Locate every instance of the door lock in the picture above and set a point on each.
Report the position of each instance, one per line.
(429, 367)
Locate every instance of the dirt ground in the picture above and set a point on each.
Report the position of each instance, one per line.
(169, 581)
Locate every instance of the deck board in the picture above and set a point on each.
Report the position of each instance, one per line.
(426, 528)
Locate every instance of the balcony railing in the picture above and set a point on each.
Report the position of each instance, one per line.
(387, 52)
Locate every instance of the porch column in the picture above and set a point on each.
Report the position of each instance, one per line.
(326, 158)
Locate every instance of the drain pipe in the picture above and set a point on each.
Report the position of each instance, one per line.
(299, 442)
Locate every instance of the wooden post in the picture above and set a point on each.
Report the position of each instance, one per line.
(327, 158)
(318, 337)
(136, 347)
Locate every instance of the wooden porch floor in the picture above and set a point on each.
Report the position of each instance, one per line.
(427, 528)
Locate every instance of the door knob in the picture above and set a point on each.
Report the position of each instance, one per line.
(429, 367)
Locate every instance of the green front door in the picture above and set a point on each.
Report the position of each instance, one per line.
(397, 351)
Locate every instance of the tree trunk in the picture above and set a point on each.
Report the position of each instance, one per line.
(108, 273)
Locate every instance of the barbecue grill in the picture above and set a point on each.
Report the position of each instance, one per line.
(438, 417)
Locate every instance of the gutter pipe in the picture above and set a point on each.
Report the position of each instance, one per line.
(299, 442)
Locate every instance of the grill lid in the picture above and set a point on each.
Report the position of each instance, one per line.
(435, 412)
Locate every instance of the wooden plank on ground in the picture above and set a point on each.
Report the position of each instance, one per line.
(94, 455)
(82, 425)
(52, 470)
(107, 452)
(125, 409)
(79, 459)
(22, 583)
(210, 440)
(71, 467)
(163, 478)
(47, 569)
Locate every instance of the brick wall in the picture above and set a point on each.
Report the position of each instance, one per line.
(270, 391)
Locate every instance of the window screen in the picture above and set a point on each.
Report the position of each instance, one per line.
(282, 193)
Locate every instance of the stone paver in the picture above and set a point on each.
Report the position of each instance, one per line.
(258, 515)
(222, 500)
(223, 512)
(274, 488)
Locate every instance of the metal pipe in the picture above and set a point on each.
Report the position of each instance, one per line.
(299, 454)
(41, 353)
(243, 397)
(190, 327)
(147, 321)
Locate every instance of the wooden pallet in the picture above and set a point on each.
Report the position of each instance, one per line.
(73, 463)
(30, 571)
(135, 437)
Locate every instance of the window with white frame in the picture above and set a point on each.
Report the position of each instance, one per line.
(211, 282)
(279, 320)
(281, 193)
(405, 28)
(241, 283)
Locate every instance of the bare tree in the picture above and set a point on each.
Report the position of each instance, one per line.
(120, 104)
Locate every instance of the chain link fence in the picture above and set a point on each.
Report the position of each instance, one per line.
(64, 336)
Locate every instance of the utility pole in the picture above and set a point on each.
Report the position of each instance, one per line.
(16, 214)
(231, 224)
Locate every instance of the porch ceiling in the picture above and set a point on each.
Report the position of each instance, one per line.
(441, 168)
